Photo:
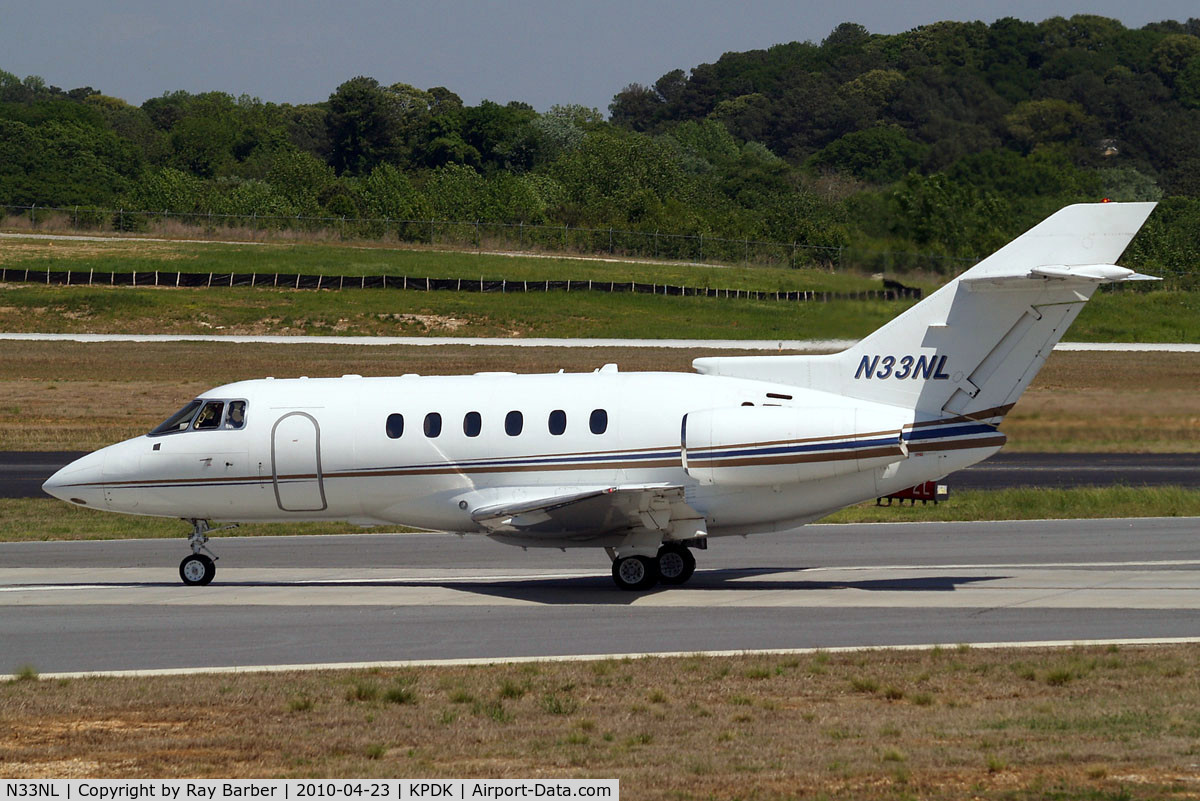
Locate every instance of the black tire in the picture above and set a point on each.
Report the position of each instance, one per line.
(197, 570)
(675, 564)
(635, 572)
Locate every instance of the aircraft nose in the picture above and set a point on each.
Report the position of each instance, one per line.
(79, 482)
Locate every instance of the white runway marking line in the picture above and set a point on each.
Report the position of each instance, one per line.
(518, 660)
(1123, 585)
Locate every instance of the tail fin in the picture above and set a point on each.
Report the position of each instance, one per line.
(971, 348)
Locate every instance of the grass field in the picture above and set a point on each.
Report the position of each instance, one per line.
(949, 723)
(65, 396)
(129, 255)
(1125, 316)
(380, 312)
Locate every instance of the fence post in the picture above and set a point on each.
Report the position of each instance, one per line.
(431, 232)
(33, 216)
(701, 247)
(747, 261)
(610, 241)
(565, 227)
(478, 242)
(75, 224)
(121, 219)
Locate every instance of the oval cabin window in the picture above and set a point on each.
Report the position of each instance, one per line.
(513, 423)
(598, 422)
(433, 425)
(395, 425)
(472, 424)
(557, 422)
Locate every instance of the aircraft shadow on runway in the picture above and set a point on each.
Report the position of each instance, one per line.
(599, 590)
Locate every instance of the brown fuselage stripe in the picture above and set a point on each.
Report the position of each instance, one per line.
(798, 458)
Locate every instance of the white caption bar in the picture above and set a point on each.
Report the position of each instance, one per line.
(306, 790)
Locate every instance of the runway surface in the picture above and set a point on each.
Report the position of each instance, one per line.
(363, 598)
(22, 473)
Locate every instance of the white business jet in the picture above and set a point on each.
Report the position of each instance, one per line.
(648, 466)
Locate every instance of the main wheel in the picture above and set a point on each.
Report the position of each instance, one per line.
(635, 572)
(197, 570)
(675, 564)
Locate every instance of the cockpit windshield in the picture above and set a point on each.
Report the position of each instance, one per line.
(178, 421)
(203, 414)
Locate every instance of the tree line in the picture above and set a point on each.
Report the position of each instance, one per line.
(947, 139)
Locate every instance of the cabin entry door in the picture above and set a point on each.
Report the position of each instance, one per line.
(296, 463)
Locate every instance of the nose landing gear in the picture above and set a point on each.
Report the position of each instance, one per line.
(198, 569)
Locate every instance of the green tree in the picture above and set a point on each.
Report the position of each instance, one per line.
(617, 178)
(169, 189)
(457, 192)
(300, 179)
(391, 195)
(880, 155)
(1187, 83)
(1172, 55)
(364, 124)
(1039, 122)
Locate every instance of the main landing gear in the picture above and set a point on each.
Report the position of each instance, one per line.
(198, 568)
(674, 564)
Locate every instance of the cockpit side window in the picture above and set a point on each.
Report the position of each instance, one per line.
(235, 417)
(210, 416)
(180, 421)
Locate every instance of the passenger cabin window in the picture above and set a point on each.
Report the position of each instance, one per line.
(180, 421)
(513, 423)
(433, 425)
(557, 422)
(235, 418)
(472, 424)
(395, 426)
(210, 416)
(598, 422)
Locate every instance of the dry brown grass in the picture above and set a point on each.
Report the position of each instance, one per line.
(1133, 402)
(17, 251)
(1069, 723)
(66, 396)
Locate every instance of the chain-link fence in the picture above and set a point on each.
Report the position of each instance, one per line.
(891, 290)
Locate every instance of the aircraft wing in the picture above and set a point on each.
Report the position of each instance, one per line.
(594, 512)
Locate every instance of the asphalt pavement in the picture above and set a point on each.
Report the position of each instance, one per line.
(87, 606)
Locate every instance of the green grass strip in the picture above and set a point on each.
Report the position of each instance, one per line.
(1028, 503)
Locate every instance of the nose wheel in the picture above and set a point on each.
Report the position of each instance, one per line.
(197, 570)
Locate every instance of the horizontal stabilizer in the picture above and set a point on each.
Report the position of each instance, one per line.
(1088, 273)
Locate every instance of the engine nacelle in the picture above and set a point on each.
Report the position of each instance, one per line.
(764, 445)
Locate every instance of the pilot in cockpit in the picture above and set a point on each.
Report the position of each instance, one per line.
(237, 415)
